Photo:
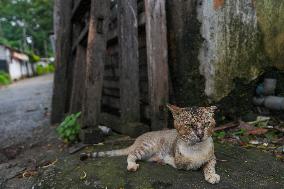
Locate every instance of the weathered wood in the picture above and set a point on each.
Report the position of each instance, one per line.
(83, 34)
(132, 129)
(95, 62)
(129, 61)
(80, 7)
(78, 80)
(111, 101)
(157, 56)
(63, 42)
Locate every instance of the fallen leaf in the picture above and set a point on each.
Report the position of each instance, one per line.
(83, 176)
(49, 163)
(29, 173)
(258, 131)
(254, 142)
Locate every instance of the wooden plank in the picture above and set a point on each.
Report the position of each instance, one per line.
(96, 52)
(83, 34)
(78, 80)
(111, 101)
(111, 84)
(79, 9)
(111, 92)
(156, 37)
(129, 62)
(141, 19)
(62, 58)
(115, 123)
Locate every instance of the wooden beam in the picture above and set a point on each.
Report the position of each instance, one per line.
(78, 80)
(79, 9)
(96, 51)
(128, 60)
(62, 58)
(115, 123)
(157, 60)
(82, 35)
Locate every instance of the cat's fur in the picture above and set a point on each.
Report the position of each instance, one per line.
(189, 146)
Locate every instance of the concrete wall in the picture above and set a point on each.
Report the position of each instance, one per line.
(236, 39)
(242, 39)
(15, 69)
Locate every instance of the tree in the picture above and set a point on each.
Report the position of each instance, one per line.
(26, 24)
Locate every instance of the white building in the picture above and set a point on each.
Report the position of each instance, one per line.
(15, 63)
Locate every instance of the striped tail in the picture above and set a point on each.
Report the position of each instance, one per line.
(120, 152)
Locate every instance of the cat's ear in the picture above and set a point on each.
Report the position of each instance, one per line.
(174, 109)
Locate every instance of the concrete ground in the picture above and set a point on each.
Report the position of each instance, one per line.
(24, 105)
(46, 163)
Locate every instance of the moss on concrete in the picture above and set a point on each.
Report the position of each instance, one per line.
(245, 38)
(242, 169)
(239, 49)
(270, 17)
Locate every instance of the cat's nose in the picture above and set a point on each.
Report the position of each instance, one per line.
(200, 136)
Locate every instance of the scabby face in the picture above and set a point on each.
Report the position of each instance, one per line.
(194, 124)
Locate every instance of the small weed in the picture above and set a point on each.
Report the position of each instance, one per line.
(220, 134)
(69, 129)
(4, 78)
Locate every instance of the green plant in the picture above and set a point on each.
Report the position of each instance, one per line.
(69, 129)
(4, 78)
(33, 57)
(220, 134)
(50, 68)
(40, 70)
(239, 132)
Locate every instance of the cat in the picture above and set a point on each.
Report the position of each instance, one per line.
(189, 146)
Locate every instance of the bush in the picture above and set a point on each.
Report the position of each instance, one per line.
(69, 129)
(34, 58)
(4, 78)
(51, 68)
(40, 70)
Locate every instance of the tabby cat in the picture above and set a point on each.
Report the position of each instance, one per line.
(189, 146)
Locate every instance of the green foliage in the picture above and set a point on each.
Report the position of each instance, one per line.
(239, 132)
(220, 134)
(4, 78)
(41, 70)
(34, 58)
(51, 68)
(69, 129)
(30, 18)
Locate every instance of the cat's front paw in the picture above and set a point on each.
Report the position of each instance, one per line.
(212, 178)
(132, 167)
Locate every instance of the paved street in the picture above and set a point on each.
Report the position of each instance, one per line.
(24, 105)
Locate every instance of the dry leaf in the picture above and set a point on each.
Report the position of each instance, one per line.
(258, 131)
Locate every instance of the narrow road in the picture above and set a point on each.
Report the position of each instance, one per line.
(24, 106)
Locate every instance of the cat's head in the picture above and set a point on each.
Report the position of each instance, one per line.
(194, 124)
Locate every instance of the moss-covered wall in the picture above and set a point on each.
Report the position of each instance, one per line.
(184, 40)
(270, 19)
(241, 39)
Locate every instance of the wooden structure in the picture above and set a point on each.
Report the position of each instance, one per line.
(112, 64)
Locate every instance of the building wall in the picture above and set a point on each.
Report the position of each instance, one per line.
(15, 69)
(242, 39)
